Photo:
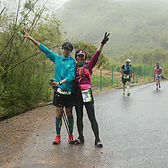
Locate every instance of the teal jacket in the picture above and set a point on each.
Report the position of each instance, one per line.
(64, 68)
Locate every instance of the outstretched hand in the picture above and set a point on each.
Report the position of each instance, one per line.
(26, 34)
(31, 38)
(105, 39)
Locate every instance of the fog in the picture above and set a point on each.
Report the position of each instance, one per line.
(55, 5)
(51, 5)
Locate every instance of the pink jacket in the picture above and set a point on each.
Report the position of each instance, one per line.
(83, 74)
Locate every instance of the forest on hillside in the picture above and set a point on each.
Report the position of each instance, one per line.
(137, 24)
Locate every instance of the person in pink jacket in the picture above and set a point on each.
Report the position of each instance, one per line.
(83, 92)
(158, 74)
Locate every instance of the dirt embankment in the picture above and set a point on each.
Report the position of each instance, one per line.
(15, 132)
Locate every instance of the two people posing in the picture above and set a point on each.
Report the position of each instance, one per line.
(65, 73)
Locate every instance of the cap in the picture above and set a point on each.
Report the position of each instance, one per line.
(127, 60)
(80, 52)
(67, 45)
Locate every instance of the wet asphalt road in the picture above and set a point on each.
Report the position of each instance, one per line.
(134, 132)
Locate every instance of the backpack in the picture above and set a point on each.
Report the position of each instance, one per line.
(127, 68)
(160, 71)
(86, 72)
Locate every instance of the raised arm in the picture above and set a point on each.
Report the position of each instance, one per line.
(95, 57)
(32, 39)
(105, 39)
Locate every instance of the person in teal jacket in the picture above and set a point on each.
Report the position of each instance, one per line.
(62, 84)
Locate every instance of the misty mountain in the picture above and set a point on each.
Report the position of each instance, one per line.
(133, 24)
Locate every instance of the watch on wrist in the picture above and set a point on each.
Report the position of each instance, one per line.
(60, 83)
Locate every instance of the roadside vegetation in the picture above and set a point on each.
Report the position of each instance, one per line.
(24, 71)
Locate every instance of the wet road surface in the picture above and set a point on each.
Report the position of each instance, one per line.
(133, 129)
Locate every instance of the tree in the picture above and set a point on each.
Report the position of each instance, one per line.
(90, 50)
(24, 70)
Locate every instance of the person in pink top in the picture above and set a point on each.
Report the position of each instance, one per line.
(83, 92)
(158, 74)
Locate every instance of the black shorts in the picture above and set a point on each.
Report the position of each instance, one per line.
(125, 80)
(61, 100)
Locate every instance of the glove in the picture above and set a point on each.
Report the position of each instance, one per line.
(105, 38)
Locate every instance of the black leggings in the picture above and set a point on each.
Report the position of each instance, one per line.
(91, 114)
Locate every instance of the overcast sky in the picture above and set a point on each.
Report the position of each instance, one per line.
(51, 5)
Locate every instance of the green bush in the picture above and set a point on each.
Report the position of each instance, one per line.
(24, 70)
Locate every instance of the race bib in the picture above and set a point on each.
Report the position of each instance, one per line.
(126, 77)
(86, 95)
(157, 76)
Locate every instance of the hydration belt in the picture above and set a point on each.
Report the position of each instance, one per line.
(61, 91)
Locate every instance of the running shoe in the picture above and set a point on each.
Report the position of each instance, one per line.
(57, 140)
(71, 140)
(128, 93)
(80, 140)
(99, 144)
(159, 86)
(123, 92)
